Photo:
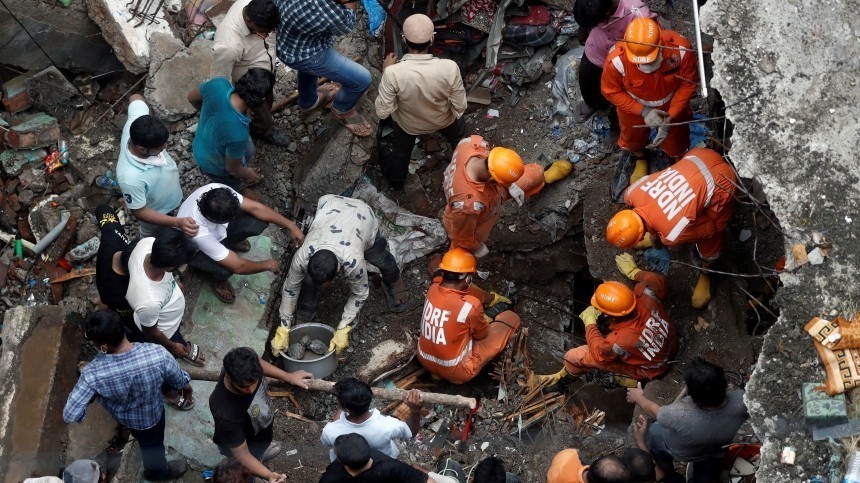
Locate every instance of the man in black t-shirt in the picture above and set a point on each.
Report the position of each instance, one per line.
(357, 463)
(244, 413)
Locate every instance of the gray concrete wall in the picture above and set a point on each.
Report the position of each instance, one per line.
(799, 138)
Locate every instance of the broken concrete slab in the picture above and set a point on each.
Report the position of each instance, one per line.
(130, 42)
(37, 372)
(14, 160)
(89, 438)
(175, 65)
(50, 91)
(73, 41)
(798, 135)
(33, 131)
(217, 328)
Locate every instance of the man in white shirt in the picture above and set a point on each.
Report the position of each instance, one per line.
(343, 238)
(226, 219)
(355, 416)
(155, 297)
(240, 44)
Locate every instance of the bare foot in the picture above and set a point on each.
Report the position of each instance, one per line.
(640, 429)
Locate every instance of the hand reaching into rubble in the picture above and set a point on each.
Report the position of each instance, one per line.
(390, 60)
(299, 378)
(272, 266)
(277, 478)
(627, 265)
(297, 236)
(251, 176)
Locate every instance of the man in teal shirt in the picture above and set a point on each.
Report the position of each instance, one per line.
(222, 145)
(147, 175)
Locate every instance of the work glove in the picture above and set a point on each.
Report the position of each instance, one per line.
(281, 340)
(340, 341)
(498, 298)
(558, 170)
(545, 380)
(645, 242)
(627, 265)
(482, 251)
(662, 134)
(654, 117)
(589, 316)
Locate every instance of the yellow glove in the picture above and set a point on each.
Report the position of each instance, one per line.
(340, 341)
(535, 380)
(487, 319)
(589, 316)
(627, 265)
(558, 170)
(281, 340)
(645, 242)
(498, 298)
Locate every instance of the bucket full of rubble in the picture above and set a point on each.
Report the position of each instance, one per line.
(309, 350)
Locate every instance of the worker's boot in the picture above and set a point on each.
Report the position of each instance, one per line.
(702, 292)
(640, 170)
(557, 171)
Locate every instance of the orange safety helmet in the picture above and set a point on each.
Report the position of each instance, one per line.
(614, 298)
(505, 165)
(625, 229)
(642, 39)
(459, 260)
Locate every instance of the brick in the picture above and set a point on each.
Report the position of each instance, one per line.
(33, 131)
(14, 160)
(819, 408)
(15, 95)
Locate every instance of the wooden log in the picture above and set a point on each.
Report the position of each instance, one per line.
(199, 374)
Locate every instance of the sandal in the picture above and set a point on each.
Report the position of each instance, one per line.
(219, 288)
(325, 94)
(181, 403)
(194, 355)
(273, 450)
(397, 288)
(583, 112)
(356, 123)
(243, 246)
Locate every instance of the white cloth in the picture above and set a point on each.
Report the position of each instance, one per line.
(209, 234)
(379, 430)
(155, 303)
(346, 227)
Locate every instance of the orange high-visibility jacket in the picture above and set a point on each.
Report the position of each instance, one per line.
(648, 341)
(630, 89)
(450, 321)
(473, 207)
(691, 195)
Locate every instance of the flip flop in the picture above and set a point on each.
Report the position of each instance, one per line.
(273, 450)
(389, 292)
(225, 285)
(584, 112)
(194, 355)
(181, 403)
(356, 123)
(325, 94)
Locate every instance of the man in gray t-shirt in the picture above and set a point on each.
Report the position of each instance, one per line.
(695, 428)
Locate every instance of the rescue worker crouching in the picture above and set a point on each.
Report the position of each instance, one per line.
(479, 180)
(457, 337)
(689, 202)
(640, 341)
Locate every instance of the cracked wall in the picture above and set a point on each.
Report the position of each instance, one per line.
(798, 136)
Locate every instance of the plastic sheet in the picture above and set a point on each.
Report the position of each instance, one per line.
(375, 16)
(565, 85)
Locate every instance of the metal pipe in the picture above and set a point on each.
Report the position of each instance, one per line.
(699, 48)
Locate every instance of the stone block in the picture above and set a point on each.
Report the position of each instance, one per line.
(37, 372)
(15, 96)
(14, 160)
(130, 42)
(49, 90)
(173, 72)
(33, 131)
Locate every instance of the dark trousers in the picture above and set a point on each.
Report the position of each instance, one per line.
(394, 159)
(151, 443)
(377, 255)
(703, 471)
(242, 227)
(589, 84)
(262, 121)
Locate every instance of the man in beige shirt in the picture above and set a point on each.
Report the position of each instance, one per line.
(240, 44)
(421, 95)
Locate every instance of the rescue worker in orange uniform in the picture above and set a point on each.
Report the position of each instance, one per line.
(478, 180)
(641, 340)
(650, 77)
(689, 202)
(457, 338)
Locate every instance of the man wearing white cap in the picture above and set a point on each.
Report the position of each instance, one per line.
(421, 94)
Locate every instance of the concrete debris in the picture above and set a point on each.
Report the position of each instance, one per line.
(50, 91)
(175, 65)
(33, 131)
(15, 95)
(13, 161)
(130, 43)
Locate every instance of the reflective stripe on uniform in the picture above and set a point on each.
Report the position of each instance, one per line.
(448, 363)
(657, 103)
(464, 312)
(682, 223)
(706, 173)
(619, 65)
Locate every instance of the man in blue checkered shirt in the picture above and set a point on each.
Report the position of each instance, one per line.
(306, 35)
(128, 379)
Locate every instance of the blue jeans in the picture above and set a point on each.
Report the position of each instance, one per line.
(353, 78)
(704, 470)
